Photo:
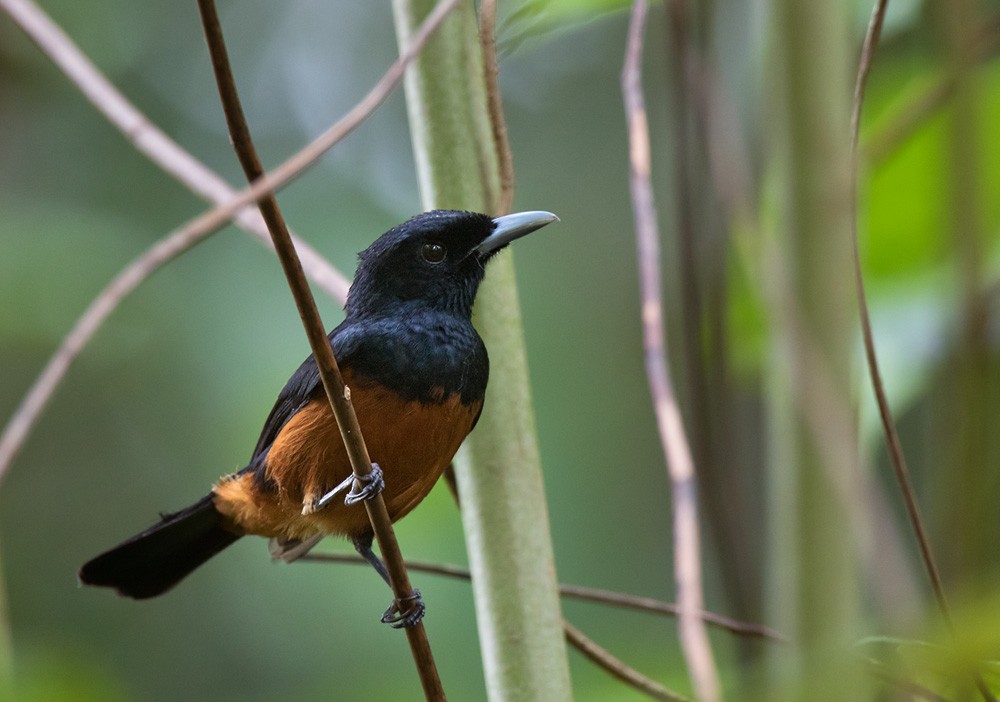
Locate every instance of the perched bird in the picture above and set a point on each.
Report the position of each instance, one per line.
(417, 372)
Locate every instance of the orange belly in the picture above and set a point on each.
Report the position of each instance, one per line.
(412, 442)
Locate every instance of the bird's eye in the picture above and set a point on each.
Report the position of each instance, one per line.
(433, 253)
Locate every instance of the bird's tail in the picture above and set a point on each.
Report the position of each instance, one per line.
(152, 562)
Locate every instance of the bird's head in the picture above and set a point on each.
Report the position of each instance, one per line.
(436, 259)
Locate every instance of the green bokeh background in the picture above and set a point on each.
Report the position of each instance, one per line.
(172, 391)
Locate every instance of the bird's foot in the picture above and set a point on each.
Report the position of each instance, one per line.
(411, 616)
(371, 485)
(311, 505)
(314, 503)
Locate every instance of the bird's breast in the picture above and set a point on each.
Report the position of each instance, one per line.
(412, 440)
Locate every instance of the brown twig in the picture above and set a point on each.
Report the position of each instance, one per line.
(594, 652)
(598, 655)
(649, 604)
(680, 465)
(580, 592)
(888, 423)
(337, 392)
(150, 140)
(26, 415)
(138, 270)
(505, 159)
(893, 443)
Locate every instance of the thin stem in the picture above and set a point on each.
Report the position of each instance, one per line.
(127, 280)
(336, 391)
(582, 593)
(649, 604)
(893, 443)
(505, 159)
(600, 656)
(28, 411)
(898, 458)
(150, 140)
(680, 465)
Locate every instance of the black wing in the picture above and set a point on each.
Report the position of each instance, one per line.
(300, 389)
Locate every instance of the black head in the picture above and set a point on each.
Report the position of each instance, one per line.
(436, 259)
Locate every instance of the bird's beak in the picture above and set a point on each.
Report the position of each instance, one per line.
(513, 226)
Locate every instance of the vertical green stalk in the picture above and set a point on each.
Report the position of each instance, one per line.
(499, 473)
(967, 405)
(815, 481)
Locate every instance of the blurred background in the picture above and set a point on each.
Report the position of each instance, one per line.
(172, 391)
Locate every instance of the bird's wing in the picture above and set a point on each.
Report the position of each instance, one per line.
(300, 389)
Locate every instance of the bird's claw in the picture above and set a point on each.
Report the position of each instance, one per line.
(398, 619)
(371, 485)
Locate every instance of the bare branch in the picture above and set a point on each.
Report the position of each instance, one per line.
(326, 364)
(680, 465)
(151, 141)
(893, 443)
(28, 411)
(130, 277)
(627, 674)
(580, 592)
(649, 604)
(900, 469)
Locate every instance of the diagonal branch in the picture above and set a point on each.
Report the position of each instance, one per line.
(30, 408)
(598, 655)
(337, 392)
(150, 140)
(128, 279)
(680, 465)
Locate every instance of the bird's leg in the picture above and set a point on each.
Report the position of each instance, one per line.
(371, 485)
(394, 616)
(312, 504)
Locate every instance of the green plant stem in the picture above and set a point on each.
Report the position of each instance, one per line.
(499, 473)
(817, 509)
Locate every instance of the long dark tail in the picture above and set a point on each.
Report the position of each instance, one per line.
(154, 561)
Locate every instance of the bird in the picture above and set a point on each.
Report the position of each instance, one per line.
(417, 372)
